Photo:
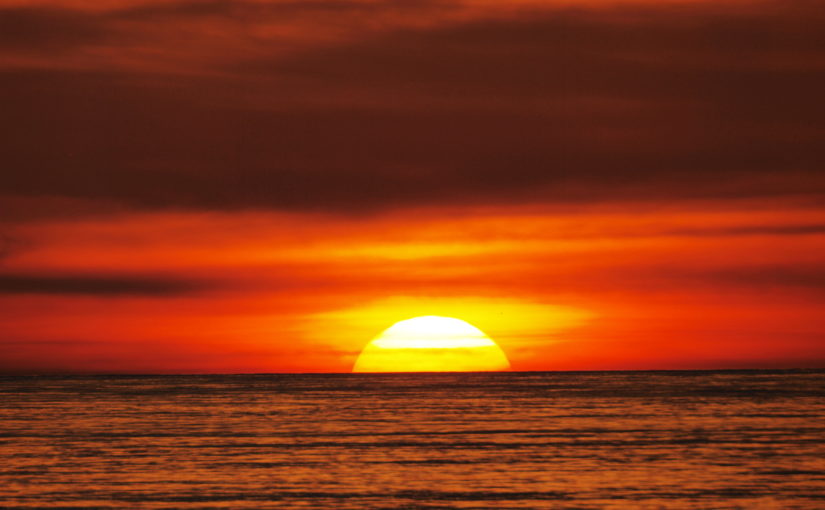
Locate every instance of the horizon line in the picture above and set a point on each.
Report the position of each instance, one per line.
(178, 374)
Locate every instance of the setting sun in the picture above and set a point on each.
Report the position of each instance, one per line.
(431, 344)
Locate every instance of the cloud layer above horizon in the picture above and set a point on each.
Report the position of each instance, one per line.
(362, 106)
(194, 163)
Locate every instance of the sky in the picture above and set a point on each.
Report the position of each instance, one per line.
(264, 186)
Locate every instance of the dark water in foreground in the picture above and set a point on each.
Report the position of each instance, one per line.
(508, 440)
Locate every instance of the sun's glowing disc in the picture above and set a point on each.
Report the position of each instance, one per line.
(431, 344)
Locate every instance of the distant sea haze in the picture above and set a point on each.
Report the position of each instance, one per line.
(706, 439)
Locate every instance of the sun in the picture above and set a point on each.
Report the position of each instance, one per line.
(431, 344)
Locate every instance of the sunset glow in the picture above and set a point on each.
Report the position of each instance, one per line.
(264, 186)
(447, 254)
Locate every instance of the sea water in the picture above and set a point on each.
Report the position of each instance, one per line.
(737, 439)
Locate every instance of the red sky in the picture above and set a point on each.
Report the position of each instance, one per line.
(264, 186)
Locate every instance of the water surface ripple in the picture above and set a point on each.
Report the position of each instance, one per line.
(728, 439)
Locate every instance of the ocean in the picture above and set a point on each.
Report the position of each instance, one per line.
(567, 440)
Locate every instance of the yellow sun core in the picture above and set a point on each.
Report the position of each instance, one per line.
(431, 344)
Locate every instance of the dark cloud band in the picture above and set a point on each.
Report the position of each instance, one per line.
(100, 285)
(558, 106)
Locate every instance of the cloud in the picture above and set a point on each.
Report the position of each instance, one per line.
(47, 29)
(749, 230)
(572, 106)
(767, 278)
(140, 32)
(95, 285)
(9, 245)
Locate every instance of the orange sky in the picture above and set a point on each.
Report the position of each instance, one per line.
(254, 186)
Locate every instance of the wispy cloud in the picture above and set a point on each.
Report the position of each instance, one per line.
(555, 105)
